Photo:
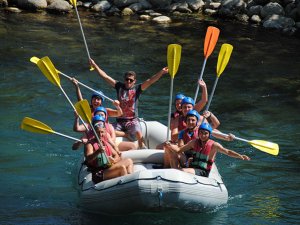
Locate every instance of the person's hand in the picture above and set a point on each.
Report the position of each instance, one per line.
(116, 103)
(84, 140)
(201, 83)
(207, 114)
(245, 157)
(74, 81)
(92, 63)
(231, 137)
(165, 70)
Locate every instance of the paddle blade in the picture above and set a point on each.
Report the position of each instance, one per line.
(173, 58)
(84, 110)
(223, 58)
(73, 2)
(35, 126)
(49, 70)
(265, 146)
(34, 59)
(211, 38)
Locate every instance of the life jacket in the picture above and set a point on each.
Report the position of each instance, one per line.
(201, 154)
(181, 123)
(100, 161)
(109, 129)
(175, 114)
(187, 137)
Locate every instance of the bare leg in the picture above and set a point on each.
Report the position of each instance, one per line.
(140, 139)
(127, 145)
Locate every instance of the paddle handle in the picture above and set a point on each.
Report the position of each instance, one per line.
(170, 106)
(87, 87)
(200, 78)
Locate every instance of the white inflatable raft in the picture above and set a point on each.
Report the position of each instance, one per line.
(149, 189)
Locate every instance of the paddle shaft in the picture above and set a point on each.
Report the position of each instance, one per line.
(200, 78)
(212, 94)
(83, 36)
(67, 136)
(73, 106)
(170, 106)
(91, 89)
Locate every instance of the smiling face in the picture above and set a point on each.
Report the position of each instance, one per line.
(186, 108)
(203, 135)
(129, 79)
(191, 122)
(178, 105)
(96, 102)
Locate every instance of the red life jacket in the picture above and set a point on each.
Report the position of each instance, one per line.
(181, 123)
(186, 136)
(108, 150)
(201, 154)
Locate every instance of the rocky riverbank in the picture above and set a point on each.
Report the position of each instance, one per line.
(283, 15)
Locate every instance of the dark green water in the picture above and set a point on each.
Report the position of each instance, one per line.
(257, 97)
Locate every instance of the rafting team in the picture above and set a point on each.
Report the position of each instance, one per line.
(190, 148)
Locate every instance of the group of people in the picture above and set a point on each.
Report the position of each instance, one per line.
(189, 149)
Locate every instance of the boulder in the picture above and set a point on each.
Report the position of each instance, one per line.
(127, 12)
(141, 5)
(195, 5)
(270, 9)
(101, 6)
(161, 19)
(3, 3)
(123, 3)
(278, 22)
(59, 7)
(32, 4)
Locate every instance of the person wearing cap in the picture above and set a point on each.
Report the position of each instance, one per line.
(128, 93)
(204, 151)
(96, 160)
(98, 100)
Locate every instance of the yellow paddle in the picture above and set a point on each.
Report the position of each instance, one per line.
(51, 74)
(223, 58)
(265, 146)
(173, 59)
(211, 38)
(36, 126)
(84, 110)
(74, 3)
(35, 60)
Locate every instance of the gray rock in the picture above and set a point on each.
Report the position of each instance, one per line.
(195, 5)
(255, 19)
(59, 6)
(13, 9)
(145, 17)
(254, 10)
(270, 9)
(3, 3)
(32, 4)
(101, 6)
(160, 3)
(142, 5)
(127, 12)
(210, 12)
(123, 3)
(229, 8)
(261, 2)
(278, 22)
(161, 19)
(242, 18)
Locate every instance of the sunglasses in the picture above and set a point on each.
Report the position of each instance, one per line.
(129, 80)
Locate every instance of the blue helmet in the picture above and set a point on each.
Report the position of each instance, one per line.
(98, 94)
(179, 96)
(206, 126)
(188, 100)
(100, 109)
(193, 113)
(98, 118)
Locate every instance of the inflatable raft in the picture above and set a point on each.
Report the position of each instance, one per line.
(149, 188)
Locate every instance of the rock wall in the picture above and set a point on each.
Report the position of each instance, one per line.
(283, 15)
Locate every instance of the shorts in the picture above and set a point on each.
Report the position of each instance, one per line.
(201, 172)
(130, 126)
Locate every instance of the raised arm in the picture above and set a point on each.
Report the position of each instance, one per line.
(78, 92)
(200, 105)
(115, 112)
(102, 74)
(211, 119)
(154, 78)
